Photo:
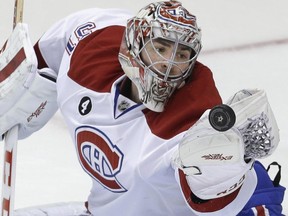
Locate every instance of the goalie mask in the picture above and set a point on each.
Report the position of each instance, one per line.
(158, 51)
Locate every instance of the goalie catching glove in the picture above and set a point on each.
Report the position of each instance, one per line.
(216, 163)
(27, 95)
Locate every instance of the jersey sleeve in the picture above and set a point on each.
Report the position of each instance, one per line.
(63, 36)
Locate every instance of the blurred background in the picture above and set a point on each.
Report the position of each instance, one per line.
(245, 44)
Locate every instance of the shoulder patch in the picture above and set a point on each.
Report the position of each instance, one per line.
(94, 62)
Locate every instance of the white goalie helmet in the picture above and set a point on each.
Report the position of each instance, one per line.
(161, 24)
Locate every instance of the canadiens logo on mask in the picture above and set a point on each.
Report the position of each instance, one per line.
(99, 157)
(178, 15)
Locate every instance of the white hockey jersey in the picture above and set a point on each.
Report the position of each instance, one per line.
(124, 147)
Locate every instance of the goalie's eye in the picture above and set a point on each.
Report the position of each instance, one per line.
(183, 55)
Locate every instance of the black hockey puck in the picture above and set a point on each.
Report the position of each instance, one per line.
(222, 117)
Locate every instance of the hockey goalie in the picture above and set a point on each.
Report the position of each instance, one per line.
(148, 124)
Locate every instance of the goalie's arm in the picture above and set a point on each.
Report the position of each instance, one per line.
(215, 169)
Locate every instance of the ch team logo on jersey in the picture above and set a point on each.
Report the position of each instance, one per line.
(99, 157)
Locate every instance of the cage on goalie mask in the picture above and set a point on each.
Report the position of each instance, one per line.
(169, 22)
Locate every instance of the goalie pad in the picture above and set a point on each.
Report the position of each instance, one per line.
(216, 163)
(27, 97)
(18, 64)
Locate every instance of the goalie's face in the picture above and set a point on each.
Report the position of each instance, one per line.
(164, 65)
(166, 60)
